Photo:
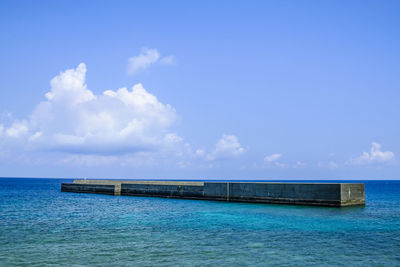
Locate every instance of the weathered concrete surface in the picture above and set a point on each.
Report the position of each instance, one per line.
(320, 194)
(88, 188)
(352, 194)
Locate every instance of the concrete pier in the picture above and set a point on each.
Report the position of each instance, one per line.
(317, 194)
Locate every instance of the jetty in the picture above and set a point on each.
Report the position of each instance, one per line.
(316, 194)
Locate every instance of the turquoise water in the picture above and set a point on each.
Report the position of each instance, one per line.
(39, 225)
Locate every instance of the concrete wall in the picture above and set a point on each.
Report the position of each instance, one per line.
(217, 191)
(181, 191)
(321, 194)
(88, 188)
(290, 193)
(351, 194)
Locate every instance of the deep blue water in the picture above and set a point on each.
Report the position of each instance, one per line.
(39, 225)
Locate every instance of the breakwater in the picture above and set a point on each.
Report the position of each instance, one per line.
(318, 194)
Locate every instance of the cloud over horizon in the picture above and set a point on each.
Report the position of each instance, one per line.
(272, 158)
(376, 155)
(127, 127)
(227, 147)
(73, 119)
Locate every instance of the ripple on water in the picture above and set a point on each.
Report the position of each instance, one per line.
(39, 225)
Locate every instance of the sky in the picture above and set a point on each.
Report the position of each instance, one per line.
(200, 89)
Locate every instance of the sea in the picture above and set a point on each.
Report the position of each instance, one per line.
(42, 226)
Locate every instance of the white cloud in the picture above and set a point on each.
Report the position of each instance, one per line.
(169, 60)
(173, 138)
(200, 152)
(299, 164)
(17, 129)
(146, 58)
(271, 161)
(69, 87)
(272, 157)
(227, 147)
(143, 60)
(35, 136)
(74, 120)
(329, 165)
(281, 164)
(374, 156)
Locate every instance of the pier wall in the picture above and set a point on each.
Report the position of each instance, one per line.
(88, 188)
(320, 194)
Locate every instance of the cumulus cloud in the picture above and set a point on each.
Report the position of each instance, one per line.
(17, 129)
(73, 119)
(227, 147)
(376, 155)
(272, 157)
(69, 87)
(145, 59)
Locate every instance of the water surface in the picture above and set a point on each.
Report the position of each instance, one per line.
(39, 225)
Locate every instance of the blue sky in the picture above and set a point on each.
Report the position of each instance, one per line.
(210, 89)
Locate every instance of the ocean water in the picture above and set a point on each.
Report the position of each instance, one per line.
(42, 226)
